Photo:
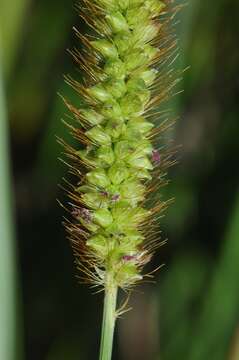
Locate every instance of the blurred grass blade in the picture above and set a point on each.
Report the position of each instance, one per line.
(11, 20)
(8, 314)
(220, 312)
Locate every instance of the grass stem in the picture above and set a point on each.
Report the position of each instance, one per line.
(108, 323)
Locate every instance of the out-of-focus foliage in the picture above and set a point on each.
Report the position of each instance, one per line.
(12, 16)
(10, 337)
(192, 312)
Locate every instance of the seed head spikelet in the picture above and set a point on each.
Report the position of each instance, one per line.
(121, 154)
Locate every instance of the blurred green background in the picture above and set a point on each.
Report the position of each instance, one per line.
(192, 311)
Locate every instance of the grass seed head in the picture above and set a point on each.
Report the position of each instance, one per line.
(118, 168)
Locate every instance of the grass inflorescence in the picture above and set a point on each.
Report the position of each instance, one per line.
(119, 162)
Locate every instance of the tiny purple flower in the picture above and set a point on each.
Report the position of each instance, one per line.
(75, 212)
(83, 213)
(156, 156)
(115, 197)
(129, 257)
(86, 215)
(104, 193)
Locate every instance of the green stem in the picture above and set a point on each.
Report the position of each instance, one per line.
(9, 332)
(108, 323)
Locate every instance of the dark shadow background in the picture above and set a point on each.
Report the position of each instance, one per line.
(192, 312)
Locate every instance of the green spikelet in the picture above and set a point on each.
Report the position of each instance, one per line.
(119, 168)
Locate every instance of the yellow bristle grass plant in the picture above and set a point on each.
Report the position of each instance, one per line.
(120, 158)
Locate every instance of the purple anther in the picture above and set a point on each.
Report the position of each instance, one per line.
(104, 193)
(156, 156)
(129, 257)
(83, 213)
(115, 197)
(86, 215)
(75, 212)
